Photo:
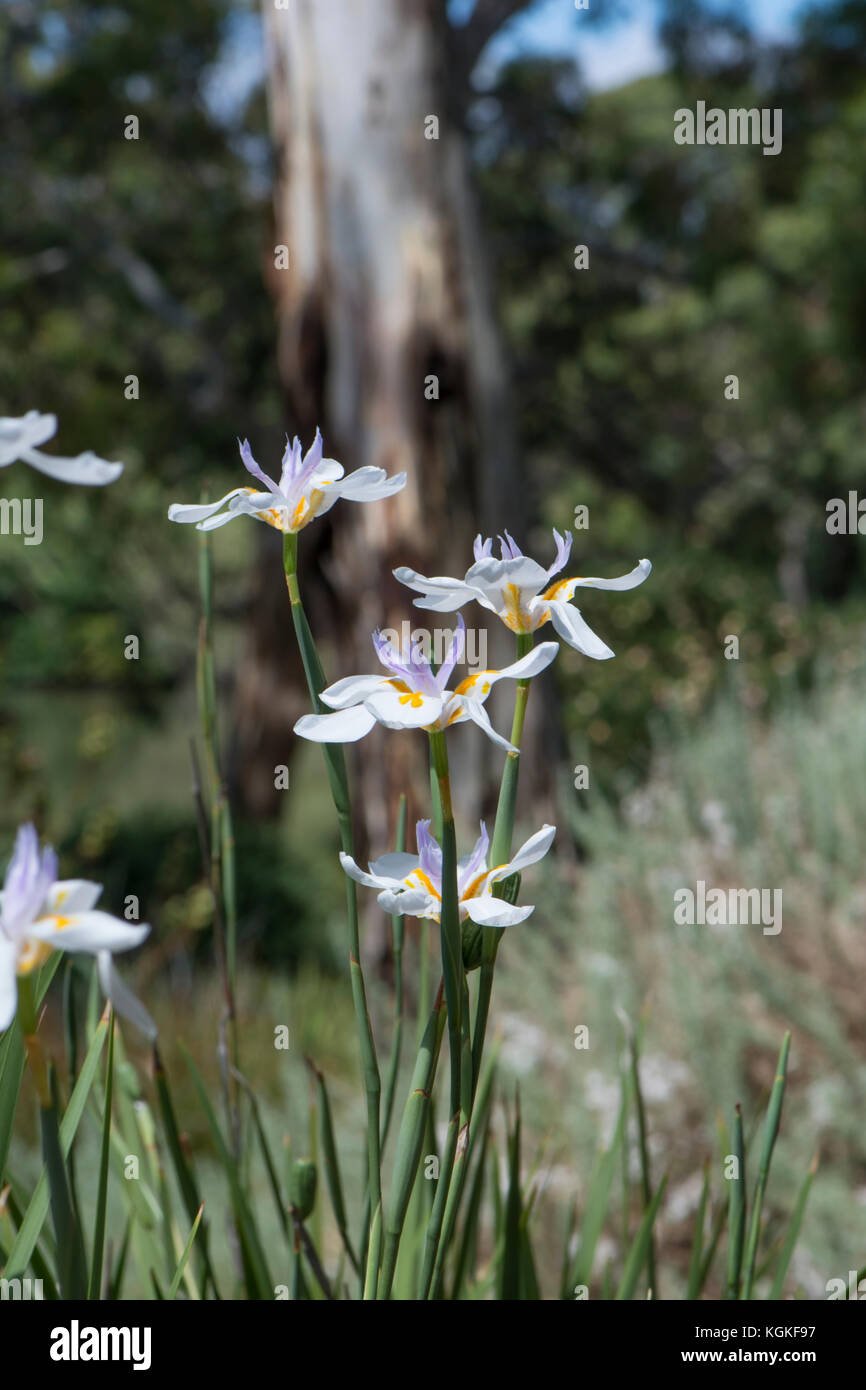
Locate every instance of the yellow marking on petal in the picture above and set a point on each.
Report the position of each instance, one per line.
(426, 882)
(466, 685)
(297, 520)
(308, 508)
(560, 591)
(471, 681)
(471, 890)
(515, 617)
(271, 516)
(31, 956)
(413, 699)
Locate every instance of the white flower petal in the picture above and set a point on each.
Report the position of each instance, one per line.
(625, 581)
(406, 710)
(576, 632)
(441, 594)
(19, 432)
(72, 895)
(372, 879)
(8, 981)
(352, 690)
(492, 575)
(344, 726)
(530, 665)
(395, 867)
(196, 512)
(87, 469)
(414, 903)
(534, 849)
(474, 710)
(88, 931)
(495, 912)
(328, 471)
(369, 484)
(121, 997)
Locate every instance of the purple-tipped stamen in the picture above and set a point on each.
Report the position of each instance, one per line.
(563, 551)
(252, 467)
(476, 861)
(28, 880)
(453, 655)
(429, 853)
(509, 548)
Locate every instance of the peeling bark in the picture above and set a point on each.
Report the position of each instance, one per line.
(387, 285)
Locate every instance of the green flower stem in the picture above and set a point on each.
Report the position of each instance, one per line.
(466, 1141)
(500, 851)
(452, 954)
(410, 1141)
(397, 934)
(449, 1189)
(456, 998)
(437, 1215)
(335, 764)
(28, 1023)
(424, 980)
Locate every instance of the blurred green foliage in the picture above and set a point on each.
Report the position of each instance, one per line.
(705, 261)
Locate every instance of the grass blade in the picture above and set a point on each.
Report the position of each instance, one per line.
(34, 1217)
(597, 1201)
(331, 1163)
(509, 1278)
(793, 1232)
(183, 1171)
(694, 1280)
(771, 1131)
(178, 1274)
(639, 1253)
(95, 1285)
(259, 1276)
(736, 1209)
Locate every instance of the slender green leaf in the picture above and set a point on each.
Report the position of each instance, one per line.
(693, 1286)
(793, 1232)
(178, 1274)
(71, 1259)
(34, 1217)
(95, 1285)
(736, 1208)
(247, 1230)
(639, 1253)
(597, 1201)
(771, 1131)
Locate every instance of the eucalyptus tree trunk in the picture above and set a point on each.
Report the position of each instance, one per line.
(387, 340)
